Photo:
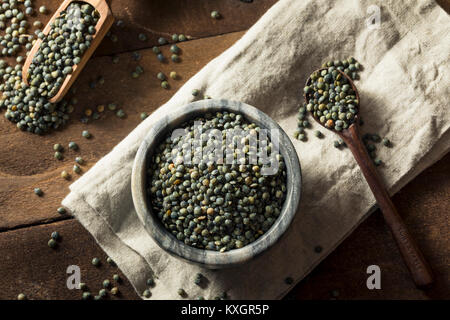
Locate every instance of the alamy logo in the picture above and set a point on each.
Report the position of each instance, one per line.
(73, 281)
(374, 19)
(374, 280)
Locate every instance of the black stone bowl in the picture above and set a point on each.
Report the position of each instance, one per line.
(167, 241)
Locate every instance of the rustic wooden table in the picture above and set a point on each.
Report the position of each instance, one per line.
(26, 161)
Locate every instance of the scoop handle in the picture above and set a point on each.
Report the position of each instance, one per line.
(413, 257)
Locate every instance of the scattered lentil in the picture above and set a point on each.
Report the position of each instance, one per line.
(21, 296)
(165, 85)
(115, 291)
(144, 115)
(161, 76)
(52, 243)
(73, 145)
(147, 293)
(86, 295)
(38, 192)
(76, 168)
(79, 160)
(96, 262)
(61, 210)
(55, 235)
(215, 14)
(110, 261)
(120, 113)
(65, 175)
(173, 75)
(82, 286)
(195, 92)
(181, 292)
(116, 278)
(86, 134)
(58, 155)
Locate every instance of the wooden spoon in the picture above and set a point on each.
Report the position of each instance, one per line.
(104, 23)
(413, 257)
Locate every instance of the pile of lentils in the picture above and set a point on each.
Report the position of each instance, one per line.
(331, 98)
(215, 206)
(71, 34)
(28, 105)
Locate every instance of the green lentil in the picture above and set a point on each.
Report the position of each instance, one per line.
(73, 146)
(174, 49)
(52, 243)
(102, 293)
(156, 50)
(142, 37)
(76, 168)
(181, 292)
(96, 262)
(120, 113)
(21, 296)
(110, 261)
(115, 291)
(106, 283)
(173, 75)
(175, 58)
(65, 175)
(165, 85)
(86, 295)
(55, 235)
(386, 142)
(79, 160)
(162, 41)
(150, 282)
(144, 115)
(82, 286)
(147, 293)
(195, 92)
(58, 147)
(161, 76)
(86, 134)
(215, 14)
(58, 155)
(181, 37)
(318, 134)
(174, 37)
(377, 162)
(61, 210)
(200, 298)
(43, 9)
(288, 280)
(116, 278)
(198, 279)
(38, 192)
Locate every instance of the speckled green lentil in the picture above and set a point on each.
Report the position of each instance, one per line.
(61, 210)
(120, 113)
(165, 85)
(21, 296)
(73, 145)
(215, 14)
(65, 175)
(216, 206)
(106, 283)
(55, 235)
(82, 286)
(86, 134)
(115, 291)
(38, 192)
(116, 278)
(147, 293)
(95, 262)
(76, 168)
(110, 261)
(79, 160)
(52, 243)
(29, 106)
(58, 155)
(181, 292)
(144, 115)
(173, 75)
(86, 295)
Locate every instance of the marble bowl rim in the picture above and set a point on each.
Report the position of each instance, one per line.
(168, 242)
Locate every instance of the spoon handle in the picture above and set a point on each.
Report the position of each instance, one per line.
(413, 257)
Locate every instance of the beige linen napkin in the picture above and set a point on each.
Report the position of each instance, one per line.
(404, 92)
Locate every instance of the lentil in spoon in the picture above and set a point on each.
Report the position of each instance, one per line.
(329, 103)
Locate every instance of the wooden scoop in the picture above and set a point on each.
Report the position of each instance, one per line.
(411, 253)
(104, 23)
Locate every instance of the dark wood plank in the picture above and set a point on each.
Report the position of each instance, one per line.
(29, 266)
(424, 205)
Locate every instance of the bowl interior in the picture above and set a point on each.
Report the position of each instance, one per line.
(207, 258)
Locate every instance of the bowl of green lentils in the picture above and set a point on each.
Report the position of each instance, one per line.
(216, 182)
